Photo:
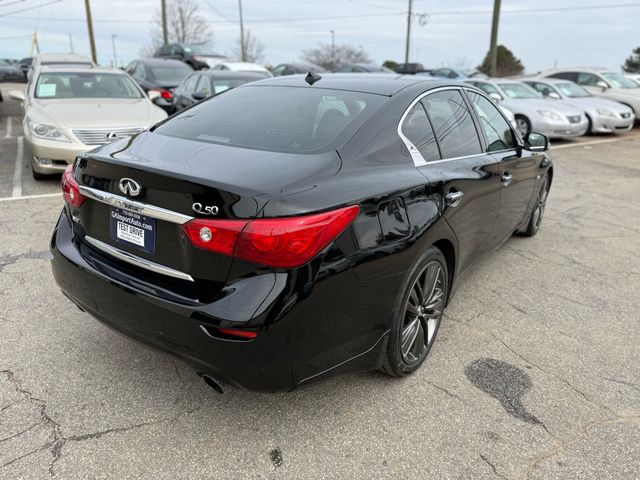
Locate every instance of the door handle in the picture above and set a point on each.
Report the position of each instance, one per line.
(453, 198)
(506, 179)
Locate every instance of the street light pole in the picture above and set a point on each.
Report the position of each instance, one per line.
(165, 35)
(243, 53)
(493, 51)
(406, 48)
(92, 42)
(333, 48)
(115, 55)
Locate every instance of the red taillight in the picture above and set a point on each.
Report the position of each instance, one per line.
(244, 334)
(70, 188)
(166, 94)
(276, 242)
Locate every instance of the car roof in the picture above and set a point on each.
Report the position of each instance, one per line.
(158, 61)
(242, 64)
(376, 83)
(62, 57)
(78, 69)
(546, 80)
(222, 74)
(578, 69)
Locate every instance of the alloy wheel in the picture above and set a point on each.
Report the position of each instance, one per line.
(542, 200)
(523, 126)
(422, 313)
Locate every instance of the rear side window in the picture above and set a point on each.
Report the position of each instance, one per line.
(453, 124)
(496, 128)
(417, 129)
(572, 76)
(291, 120)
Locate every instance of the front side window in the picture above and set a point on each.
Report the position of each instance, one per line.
(417, 129)
(191, 82)
(453, 124)
(543, 88)
(496, 128)
(587, 79)
(85, 85)
(204, 86)
(290, 120)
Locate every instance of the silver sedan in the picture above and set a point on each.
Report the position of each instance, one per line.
(603, 115)
(532, 112)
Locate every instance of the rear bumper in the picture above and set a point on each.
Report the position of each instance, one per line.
(320, 336)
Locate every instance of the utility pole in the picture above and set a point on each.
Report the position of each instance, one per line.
(333, 48)
(92, 42)
(71, 43)
(115, 55)
(493, 50)
(406, 48)
(165, 36)
(242, 45)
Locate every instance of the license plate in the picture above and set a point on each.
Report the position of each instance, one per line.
(132, 229)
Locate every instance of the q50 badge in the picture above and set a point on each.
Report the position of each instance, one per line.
(205, 209)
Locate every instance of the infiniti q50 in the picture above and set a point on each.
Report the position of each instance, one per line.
(297, 228)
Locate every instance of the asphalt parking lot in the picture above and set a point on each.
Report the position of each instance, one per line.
(534, 374)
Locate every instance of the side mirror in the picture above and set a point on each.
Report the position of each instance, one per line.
(602, 84)
(495, 97)
(199, 96)
(553, 95)
(17, 95)
(153, 95)
(536, 142)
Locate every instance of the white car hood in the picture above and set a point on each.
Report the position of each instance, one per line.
(542, 104)
(97, 113)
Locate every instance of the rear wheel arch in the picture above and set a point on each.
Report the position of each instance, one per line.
(449, 253)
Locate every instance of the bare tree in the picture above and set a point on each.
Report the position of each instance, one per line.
(331, 57)
(185, 24)
(253, 49)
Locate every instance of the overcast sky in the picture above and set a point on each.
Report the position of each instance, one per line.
(453, 34)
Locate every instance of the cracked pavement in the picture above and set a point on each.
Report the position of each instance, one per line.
(546, 327)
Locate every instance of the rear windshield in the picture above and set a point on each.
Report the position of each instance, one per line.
(281, 119)
(170, 74)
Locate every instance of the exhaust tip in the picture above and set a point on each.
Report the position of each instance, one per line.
(217, 385)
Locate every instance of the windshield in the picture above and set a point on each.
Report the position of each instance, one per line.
(85, 85)
(518, 90)
(170, 74)
(619, 81)
(572, 90)
(199, 50)
(291, 120)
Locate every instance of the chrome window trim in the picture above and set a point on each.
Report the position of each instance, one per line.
(416, 156)
(134, 206)
(137, 261)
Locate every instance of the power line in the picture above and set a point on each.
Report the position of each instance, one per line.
(538, 10)
(218, 12)
(11, 3)
(6, 14)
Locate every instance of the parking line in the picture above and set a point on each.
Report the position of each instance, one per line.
(30, 197)
(17, 172)
(9, 128)
(593, 142)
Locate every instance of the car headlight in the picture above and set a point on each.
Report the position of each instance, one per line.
(605, 113)
(49, 132)
(551, 115)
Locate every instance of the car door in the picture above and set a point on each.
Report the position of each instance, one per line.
(518, 168)
(463, 179)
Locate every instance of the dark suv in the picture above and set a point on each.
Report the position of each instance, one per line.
(197, 56)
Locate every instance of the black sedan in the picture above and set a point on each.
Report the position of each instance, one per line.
(293, 229)
(159, 75)
(207, 83)
(294, 68)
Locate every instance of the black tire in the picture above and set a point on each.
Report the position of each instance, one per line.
(399, 361)
(535, 220)
(524, 125)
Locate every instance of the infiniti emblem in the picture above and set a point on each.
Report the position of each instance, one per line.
(129, 187)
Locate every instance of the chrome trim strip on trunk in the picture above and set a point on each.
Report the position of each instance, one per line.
(134, 206)
(137, 261)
